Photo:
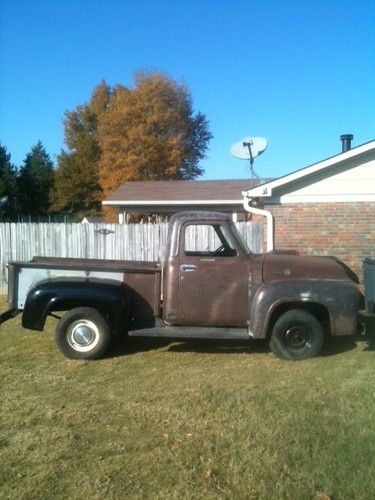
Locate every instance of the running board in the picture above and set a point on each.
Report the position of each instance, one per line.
(191, 332)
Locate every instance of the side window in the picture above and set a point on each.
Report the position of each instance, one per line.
(208, 240)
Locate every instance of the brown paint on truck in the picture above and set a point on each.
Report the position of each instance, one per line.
(224, 289)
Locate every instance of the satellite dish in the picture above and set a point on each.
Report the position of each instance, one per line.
(248, 149)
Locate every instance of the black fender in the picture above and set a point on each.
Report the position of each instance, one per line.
(111, 298)
(340, 299)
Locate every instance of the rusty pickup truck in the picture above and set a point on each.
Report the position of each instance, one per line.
(210, 286)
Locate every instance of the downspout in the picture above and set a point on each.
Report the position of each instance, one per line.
(258, 211)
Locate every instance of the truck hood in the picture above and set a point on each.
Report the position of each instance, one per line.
(291, 267)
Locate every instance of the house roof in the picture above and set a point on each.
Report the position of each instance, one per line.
(152, 193)
(267, 189)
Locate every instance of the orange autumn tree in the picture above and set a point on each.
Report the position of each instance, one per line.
(148, 132)
(151, 133)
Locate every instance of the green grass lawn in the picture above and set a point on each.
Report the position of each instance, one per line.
(185, 420)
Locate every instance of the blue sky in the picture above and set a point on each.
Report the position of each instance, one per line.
(299, 72)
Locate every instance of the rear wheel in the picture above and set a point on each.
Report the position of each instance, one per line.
(297, 334)
(82, 333)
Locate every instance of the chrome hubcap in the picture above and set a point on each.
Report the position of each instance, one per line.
(83, 335)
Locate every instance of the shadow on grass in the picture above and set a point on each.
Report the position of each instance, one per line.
(125, 346)
(221, 346)
(338, 345)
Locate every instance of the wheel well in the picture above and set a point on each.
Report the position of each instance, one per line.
(318, 310)
(103, 308)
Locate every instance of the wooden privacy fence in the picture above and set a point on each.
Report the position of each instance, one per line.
(22, 241)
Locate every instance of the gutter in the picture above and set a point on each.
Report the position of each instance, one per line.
(258, 211)
(169, 202)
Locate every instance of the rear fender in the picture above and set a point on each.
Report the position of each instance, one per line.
(111, 298)
(340, 298)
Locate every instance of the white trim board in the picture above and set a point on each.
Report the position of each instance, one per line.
(290, 199)
(119, 203)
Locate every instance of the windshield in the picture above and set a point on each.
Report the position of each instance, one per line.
(240, 240)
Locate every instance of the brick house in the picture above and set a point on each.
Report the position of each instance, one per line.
(327, 208)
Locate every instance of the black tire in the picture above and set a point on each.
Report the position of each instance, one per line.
(296, 335)
(82, 333)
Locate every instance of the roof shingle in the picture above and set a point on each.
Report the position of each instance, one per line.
(182, 190)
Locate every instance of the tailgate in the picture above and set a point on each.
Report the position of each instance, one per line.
(12, 285)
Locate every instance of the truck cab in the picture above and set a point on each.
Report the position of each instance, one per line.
(208, 272)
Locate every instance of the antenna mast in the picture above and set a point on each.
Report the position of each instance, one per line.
(251, 160)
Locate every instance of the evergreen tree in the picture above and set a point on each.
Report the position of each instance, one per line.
(76, 190)
(35, 181)
(8, 187)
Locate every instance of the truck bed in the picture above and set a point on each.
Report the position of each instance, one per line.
(144, 278)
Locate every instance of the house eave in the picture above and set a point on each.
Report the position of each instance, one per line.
(267, 189)
(154, 203)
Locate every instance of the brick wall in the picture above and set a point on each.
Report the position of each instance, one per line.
(345, 230)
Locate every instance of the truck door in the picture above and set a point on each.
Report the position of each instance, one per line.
(213, 277)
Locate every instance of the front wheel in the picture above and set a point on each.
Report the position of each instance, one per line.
(297, 334)
(82, 333)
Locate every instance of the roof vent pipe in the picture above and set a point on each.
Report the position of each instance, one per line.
(346, 140)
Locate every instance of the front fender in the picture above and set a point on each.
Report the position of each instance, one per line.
(340, 298)
(63, 294)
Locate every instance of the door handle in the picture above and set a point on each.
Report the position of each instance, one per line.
(188, 268)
